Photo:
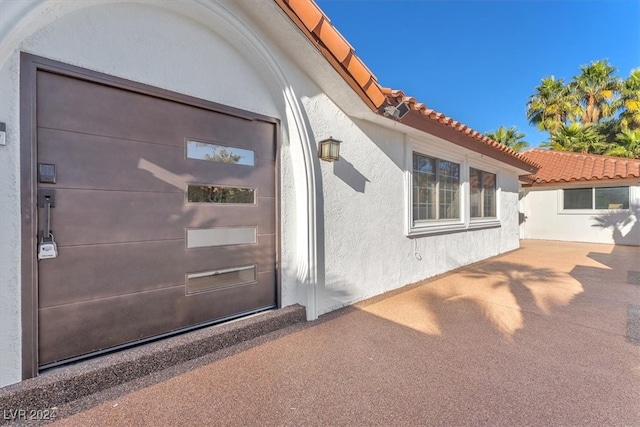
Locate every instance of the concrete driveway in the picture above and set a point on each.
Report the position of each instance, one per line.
(545, 335)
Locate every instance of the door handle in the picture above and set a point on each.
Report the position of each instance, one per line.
(46, 200)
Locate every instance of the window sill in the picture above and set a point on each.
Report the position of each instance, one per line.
(592, 211)
(427, 229)
(484, 223)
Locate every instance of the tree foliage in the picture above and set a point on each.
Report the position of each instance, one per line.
(511, 137)
(595, 88)
(596, 112)
(629, 102)
(221, 155)
(552, 105)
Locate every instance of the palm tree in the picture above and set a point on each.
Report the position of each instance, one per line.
(509, 137)
(595, 87)
(627, 145)
(577, 138)
(552, 105)
(629, 101)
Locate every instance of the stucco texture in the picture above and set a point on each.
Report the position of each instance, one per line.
(364, 249)
(545, 219)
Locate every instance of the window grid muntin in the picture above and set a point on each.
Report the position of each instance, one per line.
(436, 188)
(482, 190)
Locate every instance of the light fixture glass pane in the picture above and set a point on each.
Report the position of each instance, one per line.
(335, 150)
(220, 153)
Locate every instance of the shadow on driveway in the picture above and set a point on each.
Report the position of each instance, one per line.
(534, 337)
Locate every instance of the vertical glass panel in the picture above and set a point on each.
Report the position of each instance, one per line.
(475, 190)
(220, 153)
(489, 194)
(612, 198)
(578, 198)
(423, 185)
(211, 280)
(211, 194)
(449, 185)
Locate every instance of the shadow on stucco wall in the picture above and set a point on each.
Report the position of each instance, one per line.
(350, 175)
(625, 226)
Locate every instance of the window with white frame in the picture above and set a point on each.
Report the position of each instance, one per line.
(596, 198)
(436, 188)
(482, 190)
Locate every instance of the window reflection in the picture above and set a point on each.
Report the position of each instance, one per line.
(211, 194)
(220, 153)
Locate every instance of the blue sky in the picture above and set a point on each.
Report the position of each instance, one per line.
(478, 61)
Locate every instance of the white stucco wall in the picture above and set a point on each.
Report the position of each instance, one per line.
(343, 225)
(364, 200)
(545, 219)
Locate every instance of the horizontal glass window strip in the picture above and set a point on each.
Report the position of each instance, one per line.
(578, 198)
(612, 198)
(214, 194)
(206, 237)
(220, 153)
(211, 280)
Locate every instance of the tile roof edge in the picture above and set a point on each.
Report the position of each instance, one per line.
(566, 167)
(576, 154)
(542, 182)
(313, 22)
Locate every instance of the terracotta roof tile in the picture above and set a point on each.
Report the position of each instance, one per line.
(334, 47)
(563, 166)
(333, 40)
(307, 12)
(358, 70)
(308, 16)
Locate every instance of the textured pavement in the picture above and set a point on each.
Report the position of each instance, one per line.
(540, 336)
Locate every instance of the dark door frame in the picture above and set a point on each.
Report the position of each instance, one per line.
(29, 67)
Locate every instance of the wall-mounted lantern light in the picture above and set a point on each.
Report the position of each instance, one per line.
(329, 149)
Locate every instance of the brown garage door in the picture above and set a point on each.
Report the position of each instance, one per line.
(164, 216)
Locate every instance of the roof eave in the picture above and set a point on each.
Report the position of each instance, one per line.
(424, 123)
(559, 183)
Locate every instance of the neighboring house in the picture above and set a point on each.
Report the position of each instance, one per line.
(581, 198)
(171, 151)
